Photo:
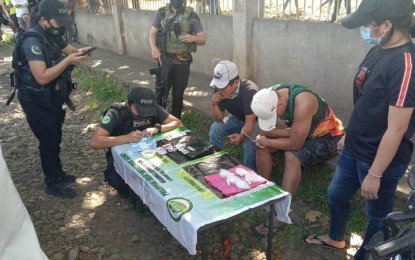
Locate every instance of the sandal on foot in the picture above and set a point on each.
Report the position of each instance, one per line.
(322, 243)
(258, 234)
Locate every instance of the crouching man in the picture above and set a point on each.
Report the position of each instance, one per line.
(128, 122)
(234, 95)
(311, 137)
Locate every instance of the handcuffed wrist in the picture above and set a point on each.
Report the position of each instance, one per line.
(258, 139)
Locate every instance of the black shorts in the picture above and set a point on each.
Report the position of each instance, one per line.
(315, 151)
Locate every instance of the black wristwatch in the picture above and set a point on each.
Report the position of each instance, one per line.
(158, 127)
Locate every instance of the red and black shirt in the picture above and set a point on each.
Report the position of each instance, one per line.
(385, 78)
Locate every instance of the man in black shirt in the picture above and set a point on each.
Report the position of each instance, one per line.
(128, 122)
(234, 95)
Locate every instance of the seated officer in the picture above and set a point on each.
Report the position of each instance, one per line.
(234, 95)
(311, 137)
(128, 122)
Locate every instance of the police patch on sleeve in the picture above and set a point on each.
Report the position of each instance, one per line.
(36, 50)
(106, 120)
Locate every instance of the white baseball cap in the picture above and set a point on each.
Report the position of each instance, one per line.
(224, 72)
(264, 105)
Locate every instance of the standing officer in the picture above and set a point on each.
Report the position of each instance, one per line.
(183, 32)
(38, 91)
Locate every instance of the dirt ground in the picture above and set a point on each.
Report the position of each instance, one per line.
(97, 223)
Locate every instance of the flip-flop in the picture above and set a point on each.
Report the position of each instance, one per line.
(323, 244)
(258, 234)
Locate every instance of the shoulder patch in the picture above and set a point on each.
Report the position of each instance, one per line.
(36, 50)
(106, 120)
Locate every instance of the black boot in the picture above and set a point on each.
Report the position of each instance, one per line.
(66, 178)
(59, 190)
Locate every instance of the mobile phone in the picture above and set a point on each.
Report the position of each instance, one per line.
(88, 51)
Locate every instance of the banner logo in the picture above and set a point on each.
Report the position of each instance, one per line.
(178, 207)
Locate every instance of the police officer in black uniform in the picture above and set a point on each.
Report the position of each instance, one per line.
(128, 122)
(42, 63)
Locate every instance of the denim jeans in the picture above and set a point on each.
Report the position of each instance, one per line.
(232, 125)
(347, 179)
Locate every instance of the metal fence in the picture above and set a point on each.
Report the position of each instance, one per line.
(103, 7)
(131, 4)
(200, 6)
(314, 10)
(307, 10)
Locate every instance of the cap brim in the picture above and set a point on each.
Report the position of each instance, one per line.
(220, 84)
(267, 124)
(355, 20)
(146, 110)
(64, 20)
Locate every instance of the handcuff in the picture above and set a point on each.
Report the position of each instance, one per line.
(246, 138)
(257, 139)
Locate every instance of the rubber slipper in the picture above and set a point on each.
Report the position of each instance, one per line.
(258, 234)
(323, 244)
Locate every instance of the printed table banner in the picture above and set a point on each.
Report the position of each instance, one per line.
(178, 194)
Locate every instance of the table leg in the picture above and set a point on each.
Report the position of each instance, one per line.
(203, 244)
(270, 233)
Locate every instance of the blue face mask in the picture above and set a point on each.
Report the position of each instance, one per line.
(365, 34)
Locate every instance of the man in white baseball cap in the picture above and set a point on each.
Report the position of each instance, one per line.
(311, 137)
(234, 95)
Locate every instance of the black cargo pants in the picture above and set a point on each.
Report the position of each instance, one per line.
(45, 119)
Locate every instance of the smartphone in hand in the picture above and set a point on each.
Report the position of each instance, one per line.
(88, 51)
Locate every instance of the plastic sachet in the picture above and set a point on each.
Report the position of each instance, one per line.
(248, 176)
(229, 182)
(233, 179)
(144, 144)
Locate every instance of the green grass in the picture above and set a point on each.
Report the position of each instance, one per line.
(313, 193)
(8, 38)
(6, 48)
(104, 90)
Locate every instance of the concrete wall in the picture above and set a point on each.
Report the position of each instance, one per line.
(218, 29)
(136, 28)
(219, 36)
(97, 30)
(321, 56)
